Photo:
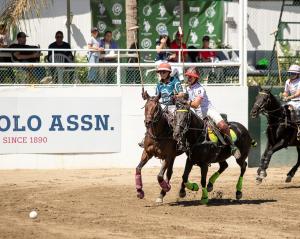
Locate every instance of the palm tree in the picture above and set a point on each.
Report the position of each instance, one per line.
(13, 11)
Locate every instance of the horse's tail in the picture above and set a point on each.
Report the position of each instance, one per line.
(253, 143)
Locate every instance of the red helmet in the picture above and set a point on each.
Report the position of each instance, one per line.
(192, 72)
(164, 67)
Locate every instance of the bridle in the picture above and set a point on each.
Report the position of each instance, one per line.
(156, 116)
(262, 107)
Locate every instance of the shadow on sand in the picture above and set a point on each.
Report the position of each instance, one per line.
(222, 202)
(290, 187)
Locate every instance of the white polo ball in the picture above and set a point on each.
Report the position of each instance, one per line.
(33, 214)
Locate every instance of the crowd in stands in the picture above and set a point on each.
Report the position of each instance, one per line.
(101, 50)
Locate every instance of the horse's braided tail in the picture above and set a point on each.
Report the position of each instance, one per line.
(253, 143)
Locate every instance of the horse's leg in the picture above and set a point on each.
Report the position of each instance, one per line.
(185, 183)
(204, 197)
(213, 178)
(265, 160)
(169, 175)
(165, 186)
(138, 174)
(243, 164)
(292, 172)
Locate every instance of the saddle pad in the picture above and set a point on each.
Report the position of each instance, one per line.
(214, 138)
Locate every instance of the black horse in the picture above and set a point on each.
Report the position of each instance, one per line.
(281, 131)
(191, 129)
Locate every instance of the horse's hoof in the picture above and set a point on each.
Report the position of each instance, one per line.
(140, 194)
(258, 180)
(288, 179)
(182, 193)
(238, 195)
(159, 200)
(210, 187)
(204, 201)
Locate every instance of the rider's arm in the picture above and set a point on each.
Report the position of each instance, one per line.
(297, 94)
(196, 102)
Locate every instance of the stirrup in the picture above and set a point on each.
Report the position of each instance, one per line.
(235, 152)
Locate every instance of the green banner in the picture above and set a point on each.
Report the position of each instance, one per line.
(200, 18)
(110, 16)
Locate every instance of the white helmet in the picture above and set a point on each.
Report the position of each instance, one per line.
(294, 69)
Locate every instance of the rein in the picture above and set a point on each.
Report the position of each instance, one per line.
(156, 118)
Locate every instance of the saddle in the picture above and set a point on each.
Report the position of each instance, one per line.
(294, 118)
(214, 135)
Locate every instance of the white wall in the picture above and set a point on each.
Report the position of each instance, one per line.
(42, 30)
(231, 100)
(263, 17)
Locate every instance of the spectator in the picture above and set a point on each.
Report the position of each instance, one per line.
(24, 56)
(27, 56)
(60, 44)
(178, 43)
(94, 54)
(109, 45)
(108, 73)
(206, 56)
(162, 44)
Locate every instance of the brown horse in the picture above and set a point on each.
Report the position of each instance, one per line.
(159, 143)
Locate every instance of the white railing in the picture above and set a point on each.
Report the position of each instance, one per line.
(118, 54)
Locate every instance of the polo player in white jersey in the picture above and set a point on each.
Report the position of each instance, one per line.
(203, 107)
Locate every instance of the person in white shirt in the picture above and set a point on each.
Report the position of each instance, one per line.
(94, 54)
(203, 107)
(291, 93)
(292, 87)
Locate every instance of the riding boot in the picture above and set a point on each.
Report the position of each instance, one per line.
(298, 124)
(141, 144)
(234, 149)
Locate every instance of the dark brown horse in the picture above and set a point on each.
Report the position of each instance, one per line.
(281, 132)
(191, 130)
(159, 143)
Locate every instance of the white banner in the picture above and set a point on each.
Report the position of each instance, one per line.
(60, 124)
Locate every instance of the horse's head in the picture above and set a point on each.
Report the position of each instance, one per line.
(262, 102)
(153, 110)
(182, 120)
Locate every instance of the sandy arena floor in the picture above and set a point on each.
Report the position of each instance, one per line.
(103, 204)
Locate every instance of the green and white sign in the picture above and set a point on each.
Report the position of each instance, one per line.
(200, 18)
(110, 16)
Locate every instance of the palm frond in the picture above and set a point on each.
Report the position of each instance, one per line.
(13, 11)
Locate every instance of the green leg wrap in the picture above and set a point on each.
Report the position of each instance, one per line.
(239, 184)
(204, 198)
(214, 177)
(192, 186)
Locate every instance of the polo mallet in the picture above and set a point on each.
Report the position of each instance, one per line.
(182, 55)
(133, 30)
(277, 58)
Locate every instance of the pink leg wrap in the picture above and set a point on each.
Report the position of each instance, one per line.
(165, 186)
(138, 181)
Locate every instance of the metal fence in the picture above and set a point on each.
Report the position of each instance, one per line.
(115, 68)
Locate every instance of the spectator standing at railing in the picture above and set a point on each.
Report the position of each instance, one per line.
(178, 44)
(60, 44)
(94, 54)
(109, 45)
(28, 56)
(163, 44)
(206, 56)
